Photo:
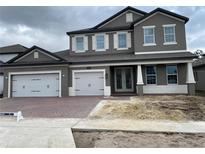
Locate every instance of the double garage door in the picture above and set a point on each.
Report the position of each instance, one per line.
(47, 85)
(89, 83)
(35, 85)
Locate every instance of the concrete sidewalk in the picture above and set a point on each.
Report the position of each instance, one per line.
(140, 125)
(37, 133)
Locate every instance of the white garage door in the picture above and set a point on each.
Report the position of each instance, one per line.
(35, 85)
(89, 83)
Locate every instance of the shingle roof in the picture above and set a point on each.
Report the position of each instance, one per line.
(199, 62)
(163, 11)
(145, 15)
(32, 48)
(118, 13)
(16, 48)
(92, 30)
(111, 57)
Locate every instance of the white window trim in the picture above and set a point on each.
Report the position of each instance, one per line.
(170, 43)
(79, 51)
(172, 74)
(104, 49)
(149, 44)
(35, 72)
(118, 48)
(155, 67)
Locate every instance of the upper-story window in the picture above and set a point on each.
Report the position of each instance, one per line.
(79, 43)
(172, 74)
(100, 42)
(151, 74)
(169, 34)
(149, 35)
(122, 40)
(129, 17)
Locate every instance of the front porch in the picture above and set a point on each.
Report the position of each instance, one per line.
(174, 78)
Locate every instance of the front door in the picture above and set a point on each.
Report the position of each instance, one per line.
(124, 79)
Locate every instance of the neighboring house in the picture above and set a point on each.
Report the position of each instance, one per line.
(6, 54)
(130, 53)
(199, 72)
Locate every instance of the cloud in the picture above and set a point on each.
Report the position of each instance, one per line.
(47, 26)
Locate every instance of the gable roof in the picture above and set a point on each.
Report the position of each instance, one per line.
(118, 13)
(12, 49)
(144, 17)
(185, 19)
(30, 50)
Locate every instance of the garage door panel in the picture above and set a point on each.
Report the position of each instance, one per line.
(35, 85)
(89, 83)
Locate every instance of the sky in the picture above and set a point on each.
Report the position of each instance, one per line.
(47, 26)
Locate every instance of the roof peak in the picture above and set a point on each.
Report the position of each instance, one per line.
(118, 13)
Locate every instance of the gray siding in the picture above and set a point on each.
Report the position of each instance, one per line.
(182, 71)
(111, 49)
(64, 78)
(121, 21)
(200, 78)
(158, 20)
(162, 74)
(42, 57)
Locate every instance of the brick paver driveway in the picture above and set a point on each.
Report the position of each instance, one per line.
(69, 107)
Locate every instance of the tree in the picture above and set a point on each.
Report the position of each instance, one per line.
(199, 53)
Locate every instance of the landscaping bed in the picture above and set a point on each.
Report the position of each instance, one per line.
(120, 139)
(176, 107)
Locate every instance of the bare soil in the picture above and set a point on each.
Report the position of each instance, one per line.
(178, 107)
(121, 139)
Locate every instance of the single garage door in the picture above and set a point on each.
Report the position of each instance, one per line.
(35, 85)
(89, 83)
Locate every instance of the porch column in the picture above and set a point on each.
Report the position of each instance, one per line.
(140, 82)
(190, 79)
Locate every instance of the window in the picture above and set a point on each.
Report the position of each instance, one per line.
(172, 74)
(149, 36)
(129, 17)
(79, 43)
(100, 42)
(151, 74)
(122, 40)
(169, 34)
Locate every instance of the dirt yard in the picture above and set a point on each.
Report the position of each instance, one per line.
(138, 140)
(179, 107)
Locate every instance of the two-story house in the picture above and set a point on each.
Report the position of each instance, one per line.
(130, 53)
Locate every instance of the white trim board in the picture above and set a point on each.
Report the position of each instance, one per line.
(165, 89)
(160, 52)
(32, 72)
(106, 88)
(133, 63)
